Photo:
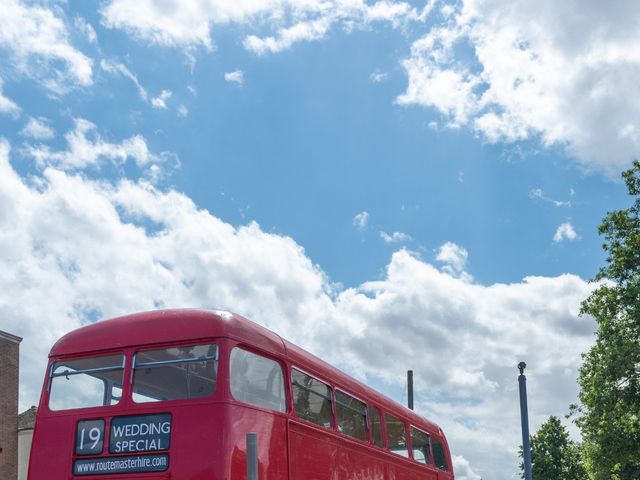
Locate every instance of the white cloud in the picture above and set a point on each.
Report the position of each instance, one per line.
(114, 68)
(286, 37)
(513, 70)
(86, 28)
(7, 105)
(156, 102)
(565, 232)
(395, 237)
(454, 258)
(378, 77)
(160, 100)
(189, 25)
(237, 77)
(463, 470)
(86, 148)
(361, 220)
(37, 42)
(539, 194)
(183, 111)
(38, 128)
(65, 238)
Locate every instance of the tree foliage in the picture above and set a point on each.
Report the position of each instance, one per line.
(610, 375)
(554, 456)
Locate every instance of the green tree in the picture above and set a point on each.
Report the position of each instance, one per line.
(554, 456)
(609, 415)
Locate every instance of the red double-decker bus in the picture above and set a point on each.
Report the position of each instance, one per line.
(172, 394)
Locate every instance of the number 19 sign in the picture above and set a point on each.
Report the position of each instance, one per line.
(90, 437)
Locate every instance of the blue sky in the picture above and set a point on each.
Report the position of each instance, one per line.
(330, 167)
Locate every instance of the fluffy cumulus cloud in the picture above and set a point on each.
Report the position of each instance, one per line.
(361, 220)
(74, 248)
(515, 70)
(464, 341)
(86, 148)
(565, 232)
(161, 100)
(7, 105)
(463, 469)
(454, 258)
(38, 129)
(36, 41)
(395, 237)
(237, 77)
(188, 24)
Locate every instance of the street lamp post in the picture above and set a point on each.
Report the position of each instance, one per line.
(524, 418)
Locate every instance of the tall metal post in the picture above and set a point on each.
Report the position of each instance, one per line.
(410, 389)
(524, 418)
(252, 456)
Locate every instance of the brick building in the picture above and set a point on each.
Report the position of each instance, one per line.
(26, 422)
(9, 361)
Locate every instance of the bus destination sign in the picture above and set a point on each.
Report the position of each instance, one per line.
(140, 433)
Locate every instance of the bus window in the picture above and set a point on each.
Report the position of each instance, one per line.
(311, 399)
(420, 446)
(257, 380)
(396, 435)
(86, 382)
(376, 426)
(175, 373)
(439, 458)
(352, 416)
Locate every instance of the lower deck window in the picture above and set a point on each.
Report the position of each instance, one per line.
(86, 382)
(257, 380)
(311, 399)
(175, 373)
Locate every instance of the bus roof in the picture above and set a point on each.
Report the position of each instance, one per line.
(166, 326)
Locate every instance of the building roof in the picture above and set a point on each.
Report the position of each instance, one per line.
(27, 419)
(10, 337)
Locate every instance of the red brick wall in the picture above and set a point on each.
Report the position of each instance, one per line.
(9, 355)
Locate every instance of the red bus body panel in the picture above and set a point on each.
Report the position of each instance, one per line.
(208, 435)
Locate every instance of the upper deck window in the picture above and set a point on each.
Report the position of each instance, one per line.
(396, 435)
(376, 426)
(311, 399)
(352, 416)
(86, 382)
(175, 373)
(257, 380)
(439, 457)
(420, 446)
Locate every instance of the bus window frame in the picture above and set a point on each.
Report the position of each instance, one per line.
(383, 432)
(407, 437)
(332, 398)
(256, 351)
(366, 415)
(443, 445)
(133, 351)
(430, 463)
(50, 375)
